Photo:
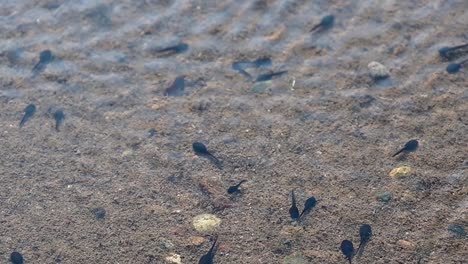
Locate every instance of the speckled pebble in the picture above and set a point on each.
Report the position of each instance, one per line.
(400, 172)
(166, 244)
(377, 70)
(206, 223)
(384, 197)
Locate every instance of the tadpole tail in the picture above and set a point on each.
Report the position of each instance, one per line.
(463, 62)
(459, 46)
(215, 161)
(165, 50)
(38, 68)
(241, 182)
(23, 120)
(293, 198)
(213, 247)
(303, 213)
(238, 67)
(315, 27)
(400, 151)
(57, 125)
(360, 249)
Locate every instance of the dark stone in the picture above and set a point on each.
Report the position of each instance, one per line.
(99, 213)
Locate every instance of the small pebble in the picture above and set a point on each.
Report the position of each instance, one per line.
(384, 197)
(400, 172)
(151, 133)
(16, 258)
(99, 213)
(174, 258)
(457, 230)
(377, 70)
(196, 241)
(206, 223)
(166, 244)
(406, 244)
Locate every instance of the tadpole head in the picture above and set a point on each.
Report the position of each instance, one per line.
(443, 51)
(347, 248)
(182, 47)
(45, 56)
(328, 22)
(233, 189)
(199, 148)
(365, 232)
(412, 145)
(453, 68)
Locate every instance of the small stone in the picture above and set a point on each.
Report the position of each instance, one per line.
(174, 258)
(457, 230)
(296, 258)
(400, 172)
(99, 213)
(206, 223)
(377, 70)
(195, 241)
(127, 152)
(155, 106)
(406, 244)
(384, 197)
(166, 244)
(277, 34)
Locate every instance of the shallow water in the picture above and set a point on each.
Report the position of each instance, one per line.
(325, 129)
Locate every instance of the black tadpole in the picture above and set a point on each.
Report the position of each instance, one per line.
(449, 53)
(262, 62)
(176, 49)
(326, 23)
(45, 57)
(208, 257)
(365, 232)
(269, 76)
(410, 146)
(455, 67)
(347, 249)
(16, 258)
(308, 205)
(235, 188)
(201, 150)
(293, 211)
(240, 67)
(59, 116)
(177, 87)
(28, 113)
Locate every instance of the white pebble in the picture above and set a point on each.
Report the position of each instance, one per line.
(174, 258)
(377, 70)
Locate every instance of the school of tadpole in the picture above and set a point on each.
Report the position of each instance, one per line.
(360, 168)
